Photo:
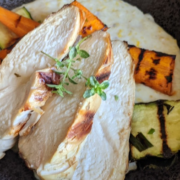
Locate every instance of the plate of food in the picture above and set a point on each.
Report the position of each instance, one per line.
(89, 90)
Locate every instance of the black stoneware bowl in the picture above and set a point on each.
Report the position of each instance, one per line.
(167, 15)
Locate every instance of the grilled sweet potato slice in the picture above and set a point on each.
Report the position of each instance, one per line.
(92, 23)
(153, 69)
(16, 23)
(3, 54)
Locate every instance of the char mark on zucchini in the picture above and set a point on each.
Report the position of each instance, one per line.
(166, 150)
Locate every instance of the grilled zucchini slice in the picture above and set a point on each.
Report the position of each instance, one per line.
(23, 12)
(164, 118)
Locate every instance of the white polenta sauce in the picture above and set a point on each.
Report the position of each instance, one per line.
(127, 23)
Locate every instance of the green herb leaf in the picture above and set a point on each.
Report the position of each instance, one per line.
(92, 92)
(87, 93)
(68, 92)
(60, 92)
(103, 96)
(55, 59)
(87, 82)
(58, 72)
(136, 143)
(144, 140)
(77, 74)
(92, 81)
(71, 80)
(169, 108)
(116, 97)
(104, 84)
(78, 59)
(66, 83)
(52, 86)
(83, 53)
(140, 142)
(72, 53)
(81, 41)
(59, 64)
(55, 92)
(151, 131)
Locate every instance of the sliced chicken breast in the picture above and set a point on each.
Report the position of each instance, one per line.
(54, 36)
(105, 152)
(39, 93)
(64, 118)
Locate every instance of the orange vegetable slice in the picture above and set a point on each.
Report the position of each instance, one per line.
(92, 23)
(16, 23)
(153, 69)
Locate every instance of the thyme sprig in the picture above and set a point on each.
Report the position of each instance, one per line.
(64, 67)
(94, 87)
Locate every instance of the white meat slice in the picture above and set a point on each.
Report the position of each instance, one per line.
(56, 127)
(39, 93)
(104, 153)
(54, 36)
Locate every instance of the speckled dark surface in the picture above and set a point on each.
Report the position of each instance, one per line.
(166, 14)
(14, 168)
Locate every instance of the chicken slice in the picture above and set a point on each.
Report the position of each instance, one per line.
(104, 153)
(39, 93)
(54, 36)
(57, 126)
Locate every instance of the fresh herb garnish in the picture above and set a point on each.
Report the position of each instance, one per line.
(169, 108)
(136, 143)
(151, 131)
(116, 97)
(64, 67)
(95, 88)
(140, 142)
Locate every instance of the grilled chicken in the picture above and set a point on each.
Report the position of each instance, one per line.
(67, 121)
(105, 152)
(61, 149)
(54, 36)
(38, 95)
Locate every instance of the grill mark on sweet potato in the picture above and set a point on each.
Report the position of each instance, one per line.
(165, 148)
(160, 54)
(105, 28)
(140, 58)
(156, 61)
(169, 78)
(152, 73)
(131, 46)
(18, 21)
(82, 128)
